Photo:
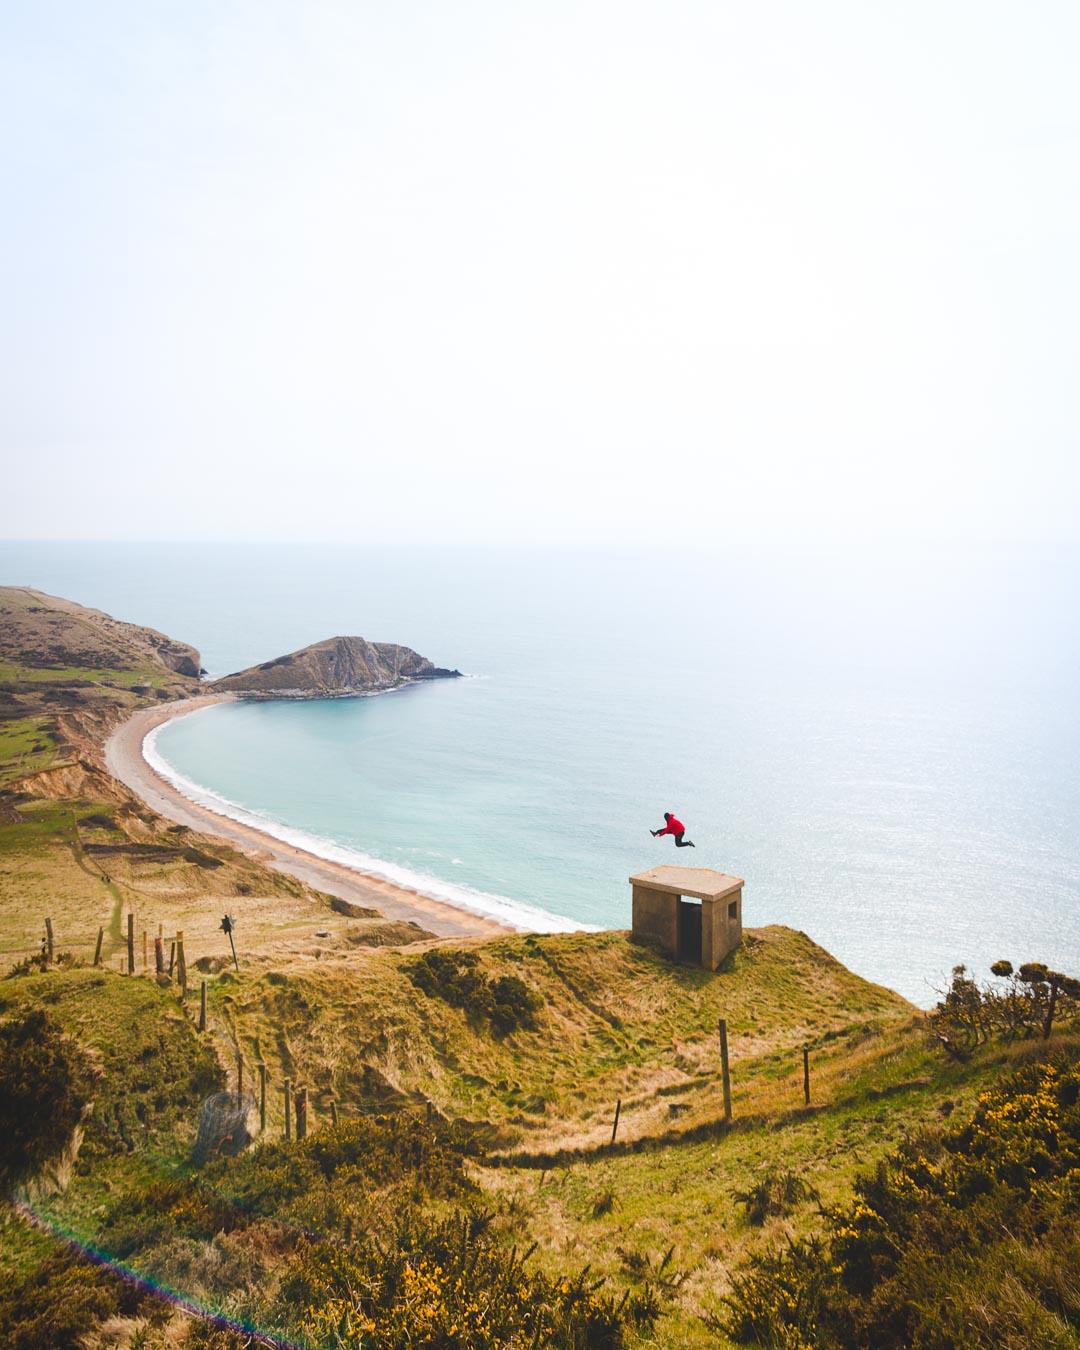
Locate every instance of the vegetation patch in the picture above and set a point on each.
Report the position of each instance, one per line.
(154, 1071)
(45, 1084)
(27, 745)
(778, 1192)
(52, 1306)
(458, 979)
(1022, 1003)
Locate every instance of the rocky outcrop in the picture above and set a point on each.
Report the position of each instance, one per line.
(337, 668)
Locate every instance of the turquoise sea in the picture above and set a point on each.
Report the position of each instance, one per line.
(884, 744)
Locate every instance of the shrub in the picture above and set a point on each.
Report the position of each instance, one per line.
(320, 1179)
(1026, 1003)
(54, 1306)
(457, 978)
(451, 1285)
(39, 964)
(200, 859)
(45, 1084)
(778, 1192)
(357, 1276)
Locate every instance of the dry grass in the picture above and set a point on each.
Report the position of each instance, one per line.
(51, 864)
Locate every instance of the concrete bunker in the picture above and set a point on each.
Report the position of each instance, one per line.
(692, 913)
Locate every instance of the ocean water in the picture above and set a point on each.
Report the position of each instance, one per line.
(882, 743)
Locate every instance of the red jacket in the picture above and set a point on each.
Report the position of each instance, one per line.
(673, 827)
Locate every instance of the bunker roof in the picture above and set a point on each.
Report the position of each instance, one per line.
(700, 882)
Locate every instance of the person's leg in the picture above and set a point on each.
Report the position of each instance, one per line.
(680, 842)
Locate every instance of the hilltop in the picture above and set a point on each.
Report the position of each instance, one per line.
(336, 668)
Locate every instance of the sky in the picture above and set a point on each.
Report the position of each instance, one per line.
(495, 272)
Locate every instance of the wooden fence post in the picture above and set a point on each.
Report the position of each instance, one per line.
(159, 956)
(172, 958)
(202, 1006)
(145, 953)
(239, 1075)
(288, 1109)
(131, 944)
(181, 965)
(333, 1111)
(615, 1126)
(49, 940)
(725, 1069)
(97, 949)
(806, 1074)
(262, 1096)
(301, 1112)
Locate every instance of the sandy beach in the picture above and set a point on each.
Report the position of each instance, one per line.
(125, 761)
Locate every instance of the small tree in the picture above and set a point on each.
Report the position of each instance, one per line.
(1026, 1003)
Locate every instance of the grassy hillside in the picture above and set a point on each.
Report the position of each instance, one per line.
(87, 863)
(616, 1020)
(531, 1110)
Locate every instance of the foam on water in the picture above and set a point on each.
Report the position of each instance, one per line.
(515, 913)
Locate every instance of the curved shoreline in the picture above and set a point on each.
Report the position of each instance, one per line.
(125, 760)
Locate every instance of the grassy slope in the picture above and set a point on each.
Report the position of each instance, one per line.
(51, 866)
(621, 1022)
(618, 1020)
(27, 745)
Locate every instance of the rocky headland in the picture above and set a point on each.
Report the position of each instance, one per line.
(339, 667)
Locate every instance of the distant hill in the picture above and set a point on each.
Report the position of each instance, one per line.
(337, 667)
(45, 632)
(63, 667)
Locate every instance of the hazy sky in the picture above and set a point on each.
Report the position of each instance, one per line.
(550, 271)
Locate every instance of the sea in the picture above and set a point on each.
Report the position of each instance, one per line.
(881, 739)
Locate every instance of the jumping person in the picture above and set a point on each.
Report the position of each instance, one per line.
(675, 827)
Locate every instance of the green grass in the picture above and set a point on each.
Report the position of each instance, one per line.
(12, 672)
(26, 746)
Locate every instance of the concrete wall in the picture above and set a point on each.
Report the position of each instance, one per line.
(656, 918)
(721, 928)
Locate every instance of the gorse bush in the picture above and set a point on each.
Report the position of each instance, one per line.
(965, 1239)
(323, 1179)
(451, 1285)
(39, 964)
(53, 1306)
(457, 978)
(45, 1084)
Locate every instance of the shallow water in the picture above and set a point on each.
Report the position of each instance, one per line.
(885, 748)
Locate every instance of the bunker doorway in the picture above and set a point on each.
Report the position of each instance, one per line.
(690, 931)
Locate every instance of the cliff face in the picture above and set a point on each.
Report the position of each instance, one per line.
(338, 667)
(42, 631)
